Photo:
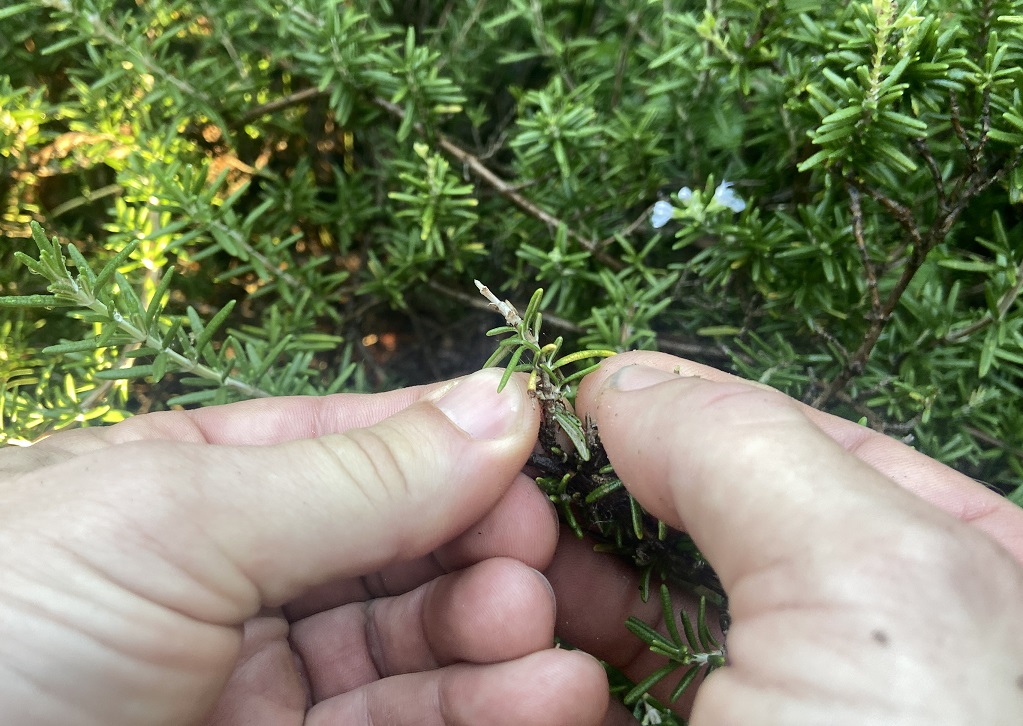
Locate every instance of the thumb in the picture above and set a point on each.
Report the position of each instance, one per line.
(750, 477)
(256, 526)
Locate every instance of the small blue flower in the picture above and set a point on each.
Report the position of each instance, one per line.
(663, 211)
(685, 194)
(724, 196)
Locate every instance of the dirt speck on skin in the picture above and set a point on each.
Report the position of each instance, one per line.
(880, 637)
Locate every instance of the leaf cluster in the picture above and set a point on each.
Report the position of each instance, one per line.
(574, 471)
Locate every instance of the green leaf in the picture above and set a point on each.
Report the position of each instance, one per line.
(637, 518)
(643, 631)
(128, 299)
(34, 301)
(189, 399)
(573, 428)
(716, 331)
(987, 353)
(582, 355)
(211, 327)
(582, 373)
(644, 686)
(1016, 495)
(603, 490)
(687, 628)
(10, 12)
(510, 369)
(84, 270)
(156, 303)
(116, 374)
(668, 610)
(533, 306)
(107, 273)
(707, 640)
(684, 682)
(160, 362)
(76, 346)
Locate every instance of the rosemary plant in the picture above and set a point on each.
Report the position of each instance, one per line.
(573, 470)
(253, 197)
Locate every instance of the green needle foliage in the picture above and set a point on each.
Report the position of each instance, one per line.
(270, 197)
(574, 472)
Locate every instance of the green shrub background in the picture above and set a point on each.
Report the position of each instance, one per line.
(325, 179)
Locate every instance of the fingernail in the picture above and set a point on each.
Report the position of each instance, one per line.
(550, 589)
(635, 377)
(474, 405)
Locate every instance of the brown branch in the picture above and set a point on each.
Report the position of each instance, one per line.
(623, 61)
(861, 243)
(994, 441)
(932, 165)
(278, 104)
(955, 117)
(903, 215)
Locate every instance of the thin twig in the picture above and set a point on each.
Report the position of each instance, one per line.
(936, 177)
(279, 104)
(667, 343)
(642, 219)
(955, 117)
(474, 301)
(861, 243)
(1006, 302)
(624, 54)
(903, 214)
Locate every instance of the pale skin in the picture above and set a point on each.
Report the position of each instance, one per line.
(373, 560)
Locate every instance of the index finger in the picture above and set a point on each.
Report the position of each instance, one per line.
(257, 422)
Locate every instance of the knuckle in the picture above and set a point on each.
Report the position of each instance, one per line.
(737, 403)
(372, 463)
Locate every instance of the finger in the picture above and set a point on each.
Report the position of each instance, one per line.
(495, 610)
(718, 459)
(266, 685)
(523, 525)
(551, 687)
(949, 490)
(596, 593)
(259, 525)
(246, 423)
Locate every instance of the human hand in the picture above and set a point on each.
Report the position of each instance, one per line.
(867, 583)
(348, 559)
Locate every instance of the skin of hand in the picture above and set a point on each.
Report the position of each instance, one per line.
(348, 559)
(868, 584)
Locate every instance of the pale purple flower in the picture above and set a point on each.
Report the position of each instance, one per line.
(724, 196)
(663, 211)
(685, 194)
